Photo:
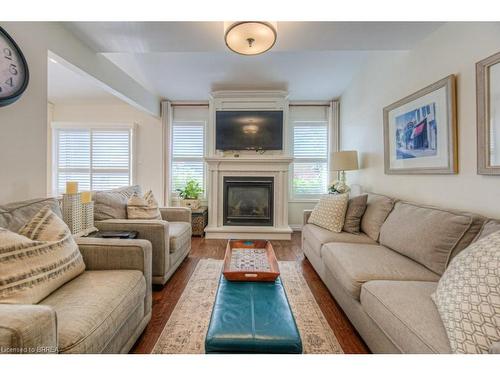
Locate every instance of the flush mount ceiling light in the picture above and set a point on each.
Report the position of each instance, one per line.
(250, 37)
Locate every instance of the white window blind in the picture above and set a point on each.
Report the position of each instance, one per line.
(188, 149)
(309, 129)
(98, 159)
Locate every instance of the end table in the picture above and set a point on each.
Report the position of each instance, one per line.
(199, 220)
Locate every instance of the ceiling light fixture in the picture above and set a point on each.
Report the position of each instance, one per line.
(250, 37)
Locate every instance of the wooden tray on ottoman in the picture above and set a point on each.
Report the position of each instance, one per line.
(249, 260)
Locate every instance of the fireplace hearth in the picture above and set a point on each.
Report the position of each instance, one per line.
(248, 201)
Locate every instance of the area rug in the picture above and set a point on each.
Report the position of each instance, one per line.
(185, 331)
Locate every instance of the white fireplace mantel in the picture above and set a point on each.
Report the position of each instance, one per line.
(275, 166)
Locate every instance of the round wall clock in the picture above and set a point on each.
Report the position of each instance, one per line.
(14, 75)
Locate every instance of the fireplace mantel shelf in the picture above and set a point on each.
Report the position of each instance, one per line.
(253, 159)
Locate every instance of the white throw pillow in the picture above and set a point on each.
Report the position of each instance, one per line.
(330, 211)
(143, 208)
(38, 260)
(468, 297)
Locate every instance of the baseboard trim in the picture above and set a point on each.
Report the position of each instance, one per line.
(296, 227)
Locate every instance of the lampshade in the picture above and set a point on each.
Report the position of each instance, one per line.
(344, 161)
(250, 37)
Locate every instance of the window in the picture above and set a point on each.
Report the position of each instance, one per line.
(309, 133)
(98, 158)
(188, 149)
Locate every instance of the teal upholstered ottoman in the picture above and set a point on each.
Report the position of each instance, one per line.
(252, 317)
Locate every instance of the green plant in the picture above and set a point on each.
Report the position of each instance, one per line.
(192, 190)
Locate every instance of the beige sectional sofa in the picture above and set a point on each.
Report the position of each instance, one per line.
(383, 277)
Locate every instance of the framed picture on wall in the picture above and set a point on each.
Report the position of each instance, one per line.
(488, 115)
(420, 131)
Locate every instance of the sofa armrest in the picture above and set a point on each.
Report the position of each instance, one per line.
(155, 231)
(176, 214)
(307, 213)
(117, 254)
(29, 329)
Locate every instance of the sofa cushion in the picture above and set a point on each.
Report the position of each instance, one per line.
(468, 297)
(38, 260)
(316, 237)
(14, 215)
(355, 264)
(330, 211)
(179, 233)
(427, 235)
(356, 207)
(378, 208)
(92, 308)
(406, 314)
(112, 204)
(489, 227)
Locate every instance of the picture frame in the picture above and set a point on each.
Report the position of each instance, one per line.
(488, 115)
(420, 131)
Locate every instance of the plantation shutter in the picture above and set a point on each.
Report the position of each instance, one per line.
(310, 152)
(187, 153)
(97, 159)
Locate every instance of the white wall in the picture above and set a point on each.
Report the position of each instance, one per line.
(23, 125)
(148, 136)
(452, 49)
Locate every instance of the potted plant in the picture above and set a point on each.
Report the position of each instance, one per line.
(190, 194)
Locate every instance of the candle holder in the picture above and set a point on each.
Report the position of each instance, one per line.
(88, 218)
(72, 213)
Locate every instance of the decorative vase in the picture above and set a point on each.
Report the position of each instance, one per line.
(191, 203)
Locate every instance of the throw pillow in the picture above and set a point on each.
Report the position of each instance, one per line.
(330, 211)
(38, 260)
(468, 297)
(112, 204)
(143, 208)
(355, 209)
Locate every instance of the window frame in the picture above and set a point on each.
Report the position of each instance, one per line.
(172, 158)
(56, 127)
(297, 198)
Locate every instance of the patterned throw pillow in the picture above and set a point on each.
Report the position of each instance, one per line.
(356, 207)
(330, 211)
(38, 260)
(143, 208)
(468, 297)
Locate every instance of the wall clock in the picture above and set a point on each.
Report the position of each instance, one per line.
(14, 74)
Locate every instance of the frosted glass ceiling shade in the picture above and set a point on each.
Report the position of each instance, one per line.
(345, 161)
(250, 37)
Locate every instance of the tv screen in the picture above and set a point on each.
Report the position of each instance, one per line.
(249, 130)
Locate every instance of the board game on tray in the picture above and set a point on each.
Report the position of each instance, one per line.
(250, 261)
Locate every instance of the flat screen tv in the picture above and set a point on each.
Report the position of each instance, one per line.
(249, 130)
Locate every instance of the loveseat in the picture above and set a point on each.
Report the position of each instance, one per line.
(103, 310)
(384, 276)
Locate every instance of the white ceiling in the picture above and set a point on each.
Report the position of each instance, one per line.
(188, 60)
(66, 86)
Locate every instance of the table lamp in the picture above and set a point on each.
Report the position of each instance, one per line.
(344, 161)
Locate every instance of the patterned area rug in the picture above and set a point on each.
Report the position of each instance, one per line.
(186, 329)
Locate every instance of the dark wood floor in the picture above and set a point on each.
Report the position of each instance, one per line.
(165, 299)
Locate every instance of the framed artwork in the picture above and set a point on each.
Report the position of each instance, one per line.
(420, 131)
(488, 115)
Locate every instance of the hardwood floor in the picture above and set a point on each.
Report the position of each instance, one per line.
(165, 299)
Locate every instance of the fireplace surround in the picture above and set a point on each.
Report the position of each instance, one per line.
(248, 200)
(257, 168)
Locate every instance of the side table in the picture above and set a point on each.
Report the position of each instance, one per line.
(199, 220)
